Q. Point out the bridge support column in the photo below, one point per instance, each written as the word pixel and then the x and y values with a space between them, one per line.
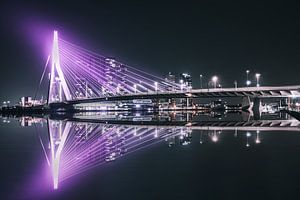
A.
pixel 246 104
pixel 289 103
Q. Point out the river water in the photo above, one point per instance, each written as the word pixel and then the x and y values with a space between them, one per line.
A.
pixel 150 156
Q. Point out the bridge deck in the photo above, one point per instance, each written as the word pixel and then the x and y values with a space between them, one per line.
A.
pixel 263 92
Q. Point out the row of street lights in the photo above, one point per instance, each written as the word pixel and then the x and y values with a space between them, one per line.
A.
pixel 215 79
pixel 257 76
pixel 6 103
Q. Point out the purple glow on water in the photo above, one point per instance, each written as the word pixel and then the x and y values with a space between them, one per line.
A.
pixel 78 147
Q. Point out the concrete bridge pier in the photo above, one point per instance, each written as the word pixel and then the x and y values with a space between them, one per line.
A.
pixel 256 108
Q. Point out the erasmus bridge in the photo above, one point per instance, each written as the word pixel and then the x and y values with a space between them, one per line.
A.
pixel 79 76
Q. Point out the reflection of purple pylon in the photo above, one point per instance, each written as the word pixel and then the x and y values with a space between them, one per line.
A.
pixel 58 133
pixel 77 147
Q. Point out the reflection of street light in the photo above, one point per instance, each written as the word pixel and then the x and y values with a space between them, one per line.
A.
pixel 214 80
pixel 248 134
pixel 257 141
pixel 257 75
pixel 215 137
pixel 201 141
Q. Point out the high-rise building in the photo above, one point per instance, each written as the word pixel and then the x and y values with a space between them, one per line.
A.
pixel 185 80
pixel 170 77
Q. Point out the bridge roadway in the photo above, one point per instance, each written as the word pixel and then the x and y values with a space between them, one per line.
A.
pixel 261 92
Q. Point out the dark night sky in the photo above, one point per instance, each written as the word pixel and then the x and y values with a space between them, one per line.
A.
pixel 209 37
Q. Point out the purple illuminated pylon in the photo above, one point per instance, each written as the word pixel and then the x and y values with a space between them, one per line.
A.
pixel 58 85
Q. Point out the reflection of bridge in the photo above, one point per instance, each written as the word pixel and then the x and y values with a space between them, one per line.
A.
pixel 81 144
pixel 260 125
pixel 80 76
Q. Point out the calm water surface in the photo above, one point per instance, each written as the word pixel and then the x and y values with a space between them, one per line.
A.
pixel 138 156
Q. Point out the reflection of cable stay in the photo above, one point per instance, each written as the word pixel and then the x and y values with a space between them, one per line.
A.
pixel 42 145
pixel 77 147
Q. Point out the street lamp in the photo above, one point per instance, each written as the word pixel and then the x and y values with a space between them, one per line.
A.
pixel 181 84
pixel 214 80
pixel 235 84
pixel 248 82
pixel 257 75
pixel 201 76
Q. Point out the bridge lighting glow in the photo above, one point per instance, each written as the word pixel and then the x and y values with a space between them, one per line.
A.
pixel 257 75
pixel 248 82
pixel 155 85
pixel 214 80
pixel 135 90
